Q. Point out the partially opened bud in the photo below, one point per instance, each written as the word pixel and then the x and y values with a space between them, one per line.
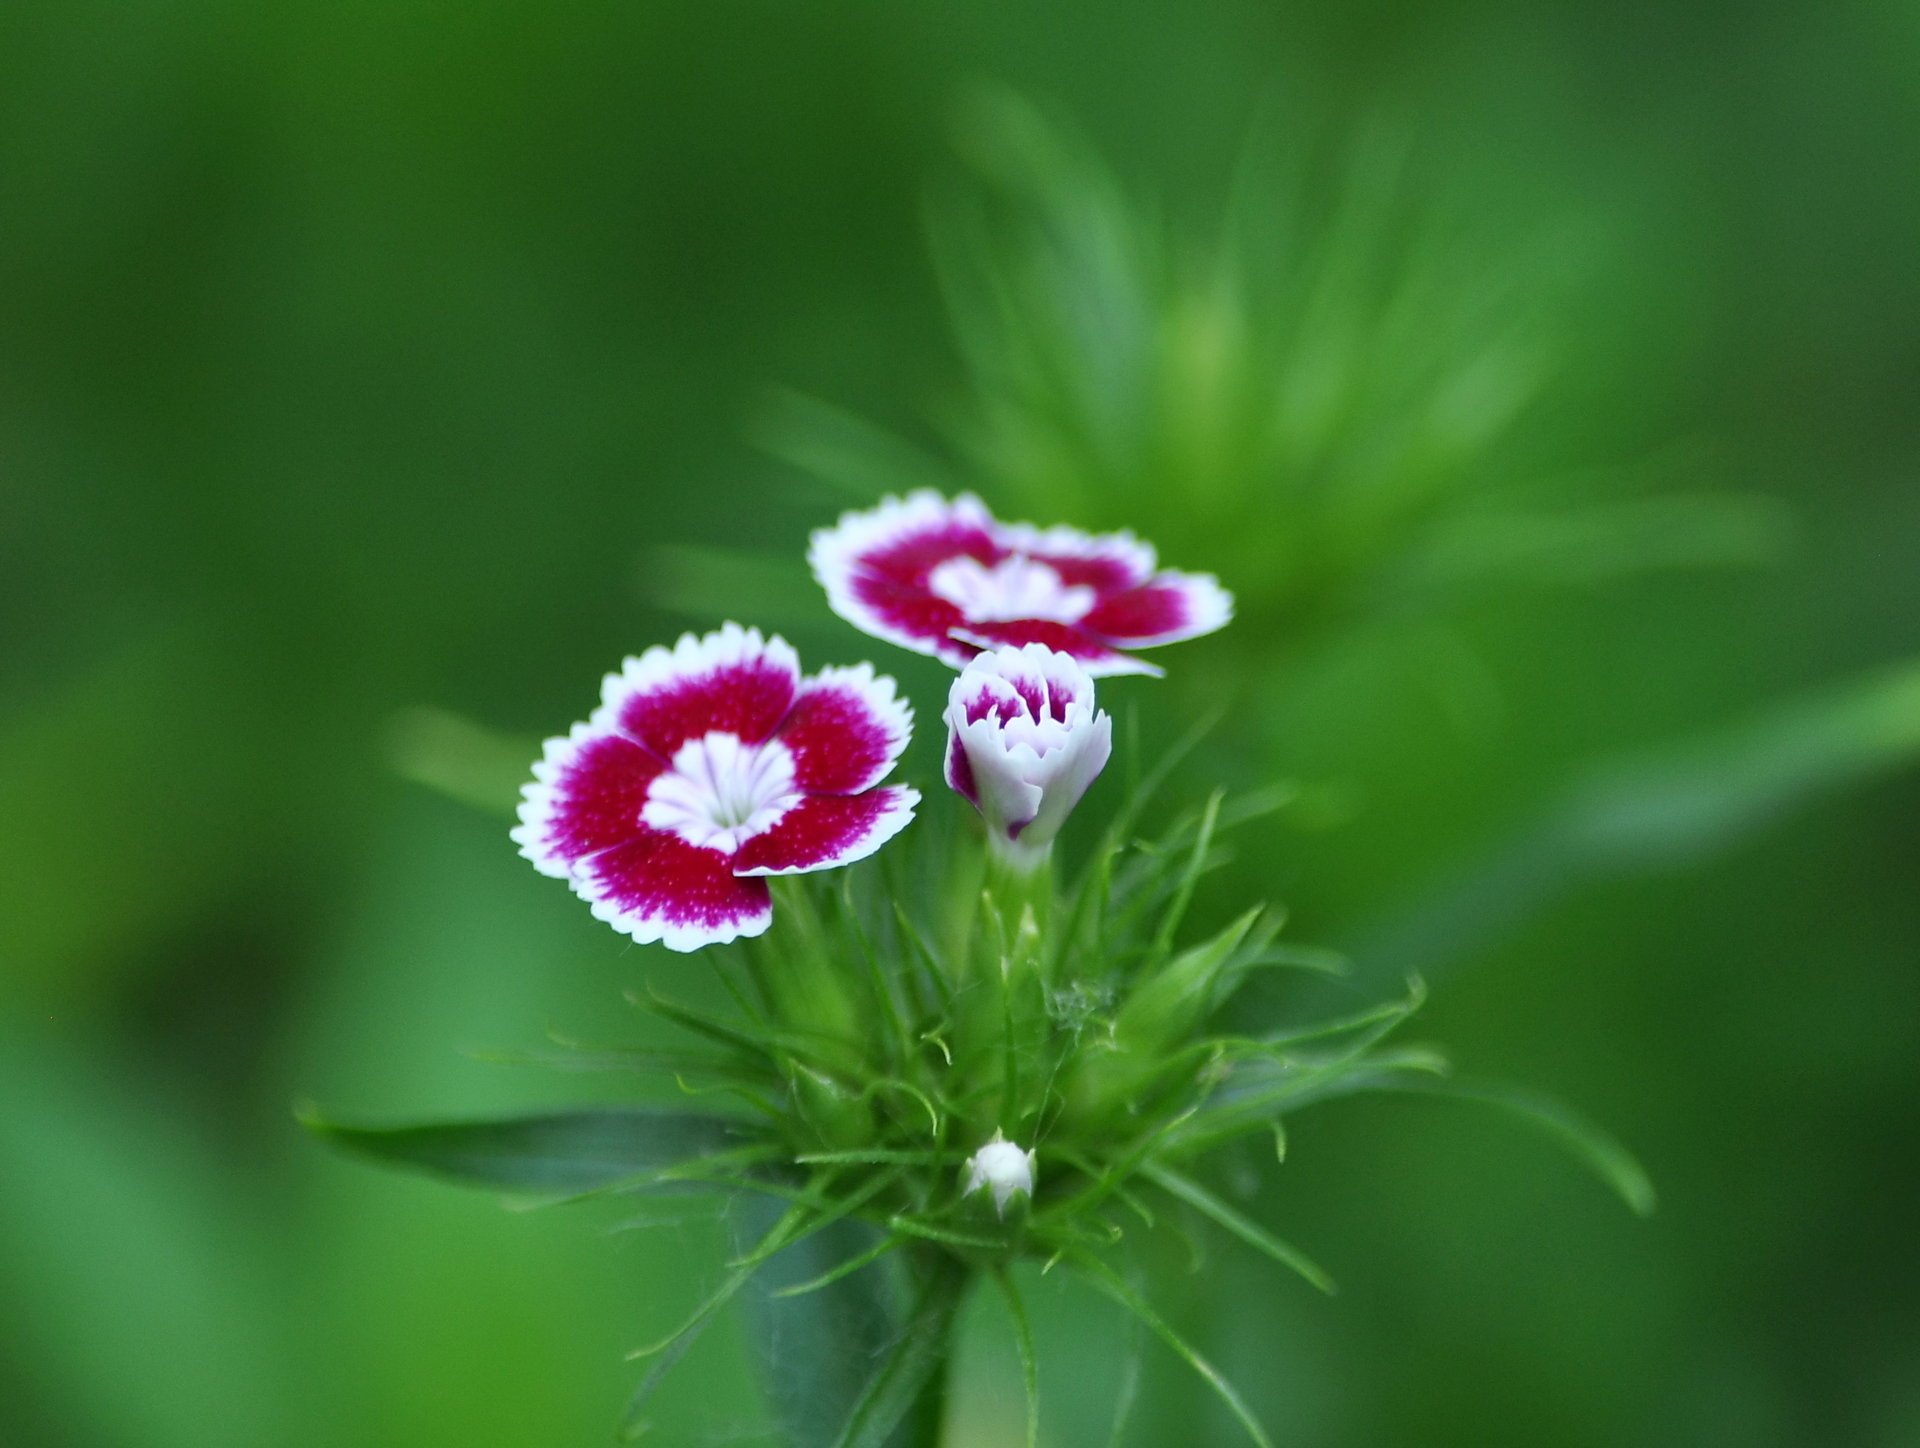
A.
pixel 1024 742
pixel 1002 1168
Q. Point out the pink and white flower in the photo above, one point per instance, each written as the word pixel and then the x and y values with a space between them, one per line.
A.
pixel 706 767
pixel 946 578
pixel 1023 743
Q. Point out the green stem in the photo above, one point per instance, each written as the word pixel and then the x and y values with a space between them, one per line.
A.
pixel 926 1421
pixel 925 1424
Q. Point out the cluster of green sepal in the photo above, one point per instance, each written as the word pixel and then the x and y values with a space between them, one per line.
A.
pixel 898 1016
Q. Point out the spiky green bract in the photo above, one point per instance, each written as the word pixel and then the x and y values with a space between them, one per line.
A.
pixel 904 1014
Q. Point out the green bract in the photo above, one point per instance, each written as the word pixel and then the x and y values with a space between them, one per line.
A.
pixel 905 1013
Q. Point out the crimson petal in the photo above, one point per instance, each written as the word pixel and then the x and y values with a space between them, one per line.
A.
pixel 846 729
pixel 1093 655
pixel 732 681
pixel 659 887
pixel 1171 607
pixel 586 795
pixel 828 829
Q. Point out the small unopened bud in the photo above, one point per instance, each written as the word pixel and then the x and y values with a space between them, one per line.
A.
pixel 1002 1168
pixel 1023 743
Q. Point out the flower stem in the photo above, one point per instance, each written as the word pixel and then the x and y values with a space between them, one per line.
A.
pixel 926 1421
pixel 946 1279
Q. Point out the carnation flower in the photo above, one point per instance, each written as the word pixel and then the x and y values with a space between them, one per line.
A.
pixel 1023 743
pixel 946 578
pixel 707 767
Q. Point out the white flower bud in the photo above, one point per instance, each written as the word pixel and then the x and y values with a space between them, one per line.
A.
pixel 1002 1168
pixel 1023 743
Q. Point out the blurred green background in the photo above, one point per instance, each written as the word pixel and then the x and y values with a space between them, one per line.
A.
pixel 1542 377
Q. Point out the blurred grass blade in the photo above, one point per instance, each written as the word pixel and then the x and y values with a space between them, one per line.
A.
pixel 849 454
pixel 706 584
pixel 572 1151
pixel 1586 1142
pixel 1605 541
pixel 667 1354
pixel 1667 808
pixel 464 761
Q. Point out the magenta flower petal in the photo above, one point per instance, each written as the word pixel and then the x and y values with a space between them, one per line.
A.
pixel 944 577
pixel 1105 562
pixel 824 830
pixel 733 681
pixel 846 729
pixel 1097 658
pixel 707 765
pixel 657 887
pixel 876 566
pixel 1174 606
pixel 586 795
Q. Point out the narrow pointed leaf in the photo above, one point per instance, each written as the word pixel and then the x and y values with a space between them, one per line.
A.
pixel 1586 1142
pixel 1113 1285
pixel 1248 1231
pixel 569 1151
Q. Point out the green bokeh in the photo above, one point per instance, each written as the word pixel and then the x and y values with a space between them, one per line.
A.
pixel 362 359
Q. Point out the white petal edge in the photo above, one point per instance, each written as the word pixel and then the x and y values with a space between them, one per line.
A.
pixel 647 929
pixel 1070 542
pixel 1210 607
pixel 691 657
pixel 537 798
pixel 1116 666
pixel 882 698
pixel 904 799
pixel 834 554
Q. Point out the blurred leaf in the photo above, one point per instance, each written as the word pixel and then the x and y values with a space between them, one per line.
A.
pixel 709 585
pixel 574 1151
pixel 141 1294
pixel 460 759
pixel 812 1350
pixel 852 456
pixel 1596 543
pixel 914 1364
pixel 1664 809
pixel 1121 1291
pixel 1604 1156
pixel 1023 1344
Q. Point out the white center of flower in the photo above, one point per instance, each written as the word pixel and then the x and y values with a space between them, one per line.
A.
pixel 1015 587
pixel 720 793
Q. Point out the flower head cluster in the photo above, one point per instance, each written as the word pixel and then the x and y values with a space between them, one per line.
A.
pixel 714 764
pixel 905 1056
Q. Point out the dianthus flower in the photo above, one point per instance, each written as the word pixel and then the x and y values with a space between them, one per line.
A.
pixel 946 578
pixel 707 767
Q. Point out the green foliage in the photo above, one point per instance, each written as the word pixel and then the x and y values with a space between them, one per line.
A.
pixel 563 1152
pixel 866 1063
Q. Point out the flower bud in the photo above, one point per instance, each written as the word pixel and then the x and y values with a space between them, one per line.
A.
pixel 1002 1168
pixel 1023 743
